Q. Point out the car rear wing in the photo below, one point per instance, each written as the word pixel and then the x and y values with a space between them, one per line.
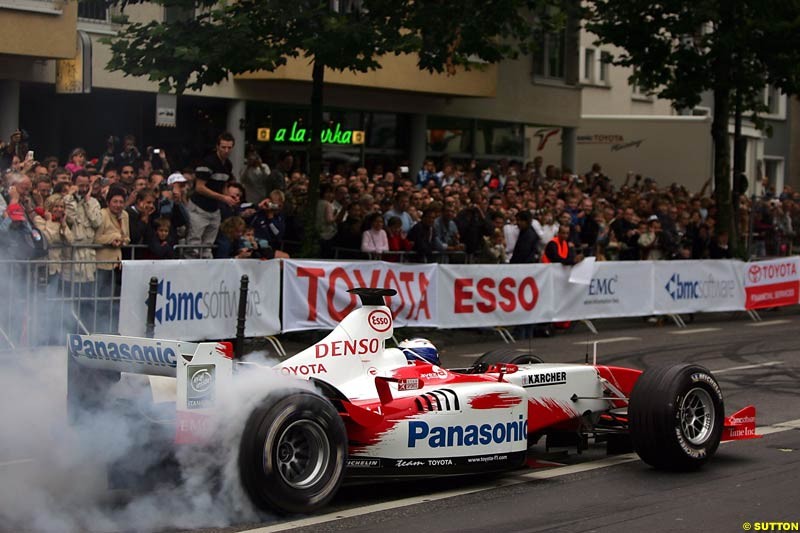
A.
pixel 96 362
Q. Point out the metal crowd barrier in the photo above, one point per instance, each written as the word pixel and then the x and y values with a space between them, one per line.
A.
pixel 41 301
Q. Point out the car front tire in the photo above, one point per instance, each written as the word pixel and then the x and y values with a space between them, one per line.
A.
pixel 292 454
pixel 676 416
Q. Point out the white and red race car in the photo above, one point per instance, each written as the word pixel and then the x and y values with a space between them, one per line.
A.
pixel 378 414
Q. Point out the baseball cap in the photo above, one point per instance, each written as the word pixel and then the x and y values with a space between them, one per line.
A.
pixel 652 218
pixel 16 213
pixel 176 177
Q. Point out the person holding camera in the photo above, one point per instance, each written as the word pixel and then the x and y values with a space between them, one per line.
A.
pixel 269 223
pixel 257 177
pixel 17 148
pixel 129 155
pixel 84 218
pixel 172 205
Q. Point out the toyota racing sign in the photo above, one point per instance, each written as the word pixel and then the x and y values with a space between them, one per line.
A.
pixel 315 293
pixel 771 283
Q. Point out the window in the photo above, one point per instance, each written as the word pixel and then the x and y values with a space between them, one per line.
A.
pixel 448 135
pixel 605 65
pixel 381 130
pixel 177 13
pixel 637 93
pixel 345 6
pixel 588 65
pixel 773 169
pixel 550 60
pixel 775 102
pixel 95 10
pixel 499 139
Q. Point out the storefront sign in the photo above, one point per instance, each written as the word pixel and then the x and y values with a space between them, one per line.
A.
pixel 166 110
pixel 298 134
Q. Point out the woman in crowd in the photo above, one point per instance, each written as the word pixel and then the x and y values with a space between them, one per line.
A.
pixel 59 235
pixel 113 234
pixel 59 238
pixel 229 244
pixel 374 239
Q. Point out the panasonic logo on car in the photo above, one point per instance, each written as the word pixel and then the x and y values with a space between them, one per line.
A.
pixel 469 435
pixel 682 289
pixel 122 351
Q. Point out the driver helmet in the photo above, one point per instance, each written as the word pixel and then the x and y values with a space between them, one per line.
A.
pixel 420 349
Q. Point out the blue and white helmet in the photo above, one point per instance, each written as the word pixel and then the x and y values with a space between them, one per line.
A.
pixel 420 349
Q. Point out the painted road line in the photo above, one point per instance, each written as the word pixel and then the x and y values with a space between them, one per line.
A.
pixel 769 323
pixel 746 367
pixel 502 482
pixel 16 462
pixel 691 331
pixel 613 339
pixel 777 428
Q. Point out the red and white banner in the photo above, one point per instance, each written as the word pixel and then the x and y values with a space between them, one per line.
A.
pixel 696 286
pixel 771 283
pixel 481 295
pixel 616 289
pixel 198 299
pixel 315 292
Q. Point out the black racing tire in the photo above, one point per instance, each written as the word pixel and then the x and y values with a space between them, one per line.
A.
pixel 508 356
pixel 293 453
pixel 676 416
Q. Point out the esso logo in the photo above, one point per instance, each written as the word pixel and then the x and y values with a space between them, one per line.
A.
pixel 380 320
pixel 754 273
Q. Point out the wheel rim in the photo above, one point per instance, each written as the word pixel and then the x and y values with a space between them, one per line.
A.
pixel 302 454
pixel 697 416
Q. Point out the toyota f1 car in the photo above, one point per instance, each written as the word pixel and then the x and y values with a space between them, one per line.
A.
pixel 378 414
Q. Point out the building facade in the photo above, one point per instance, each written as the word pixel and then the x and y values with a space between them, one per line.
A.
pixel 405 114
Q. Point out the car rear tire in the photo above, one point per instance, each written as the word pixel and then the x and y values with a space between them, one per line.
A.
pixel 676 416
pixel 506 355
pixel 293 453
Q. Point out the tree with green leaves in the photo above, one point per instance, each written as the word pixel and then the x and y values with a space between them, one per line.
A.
pixel 240 36
pixel 679 49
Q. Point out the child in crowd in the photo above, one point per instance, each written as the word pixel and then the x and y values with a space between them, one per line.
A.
pixel 161 244
pixel 495 247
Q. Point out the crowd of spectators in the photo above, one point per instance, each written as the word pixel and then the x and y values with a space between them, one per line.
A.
pixel 128 203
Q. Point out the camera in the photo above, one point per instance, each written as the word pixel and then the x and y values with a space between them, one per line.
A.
pixel 156 151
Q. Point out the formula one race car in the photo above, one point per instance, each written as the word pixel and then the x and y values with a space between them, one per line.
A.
pixel 381 411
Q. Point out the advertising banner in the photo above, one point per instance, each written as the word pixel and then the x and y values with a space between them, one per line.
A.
pixel 481 295
pixel 199 299
pixel 771 283
pixel 315 292
pixel 616 289
pixel 697 286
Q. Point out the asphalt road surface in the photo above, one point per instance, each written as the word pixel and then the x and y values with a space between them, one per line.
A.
pixel 753 482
